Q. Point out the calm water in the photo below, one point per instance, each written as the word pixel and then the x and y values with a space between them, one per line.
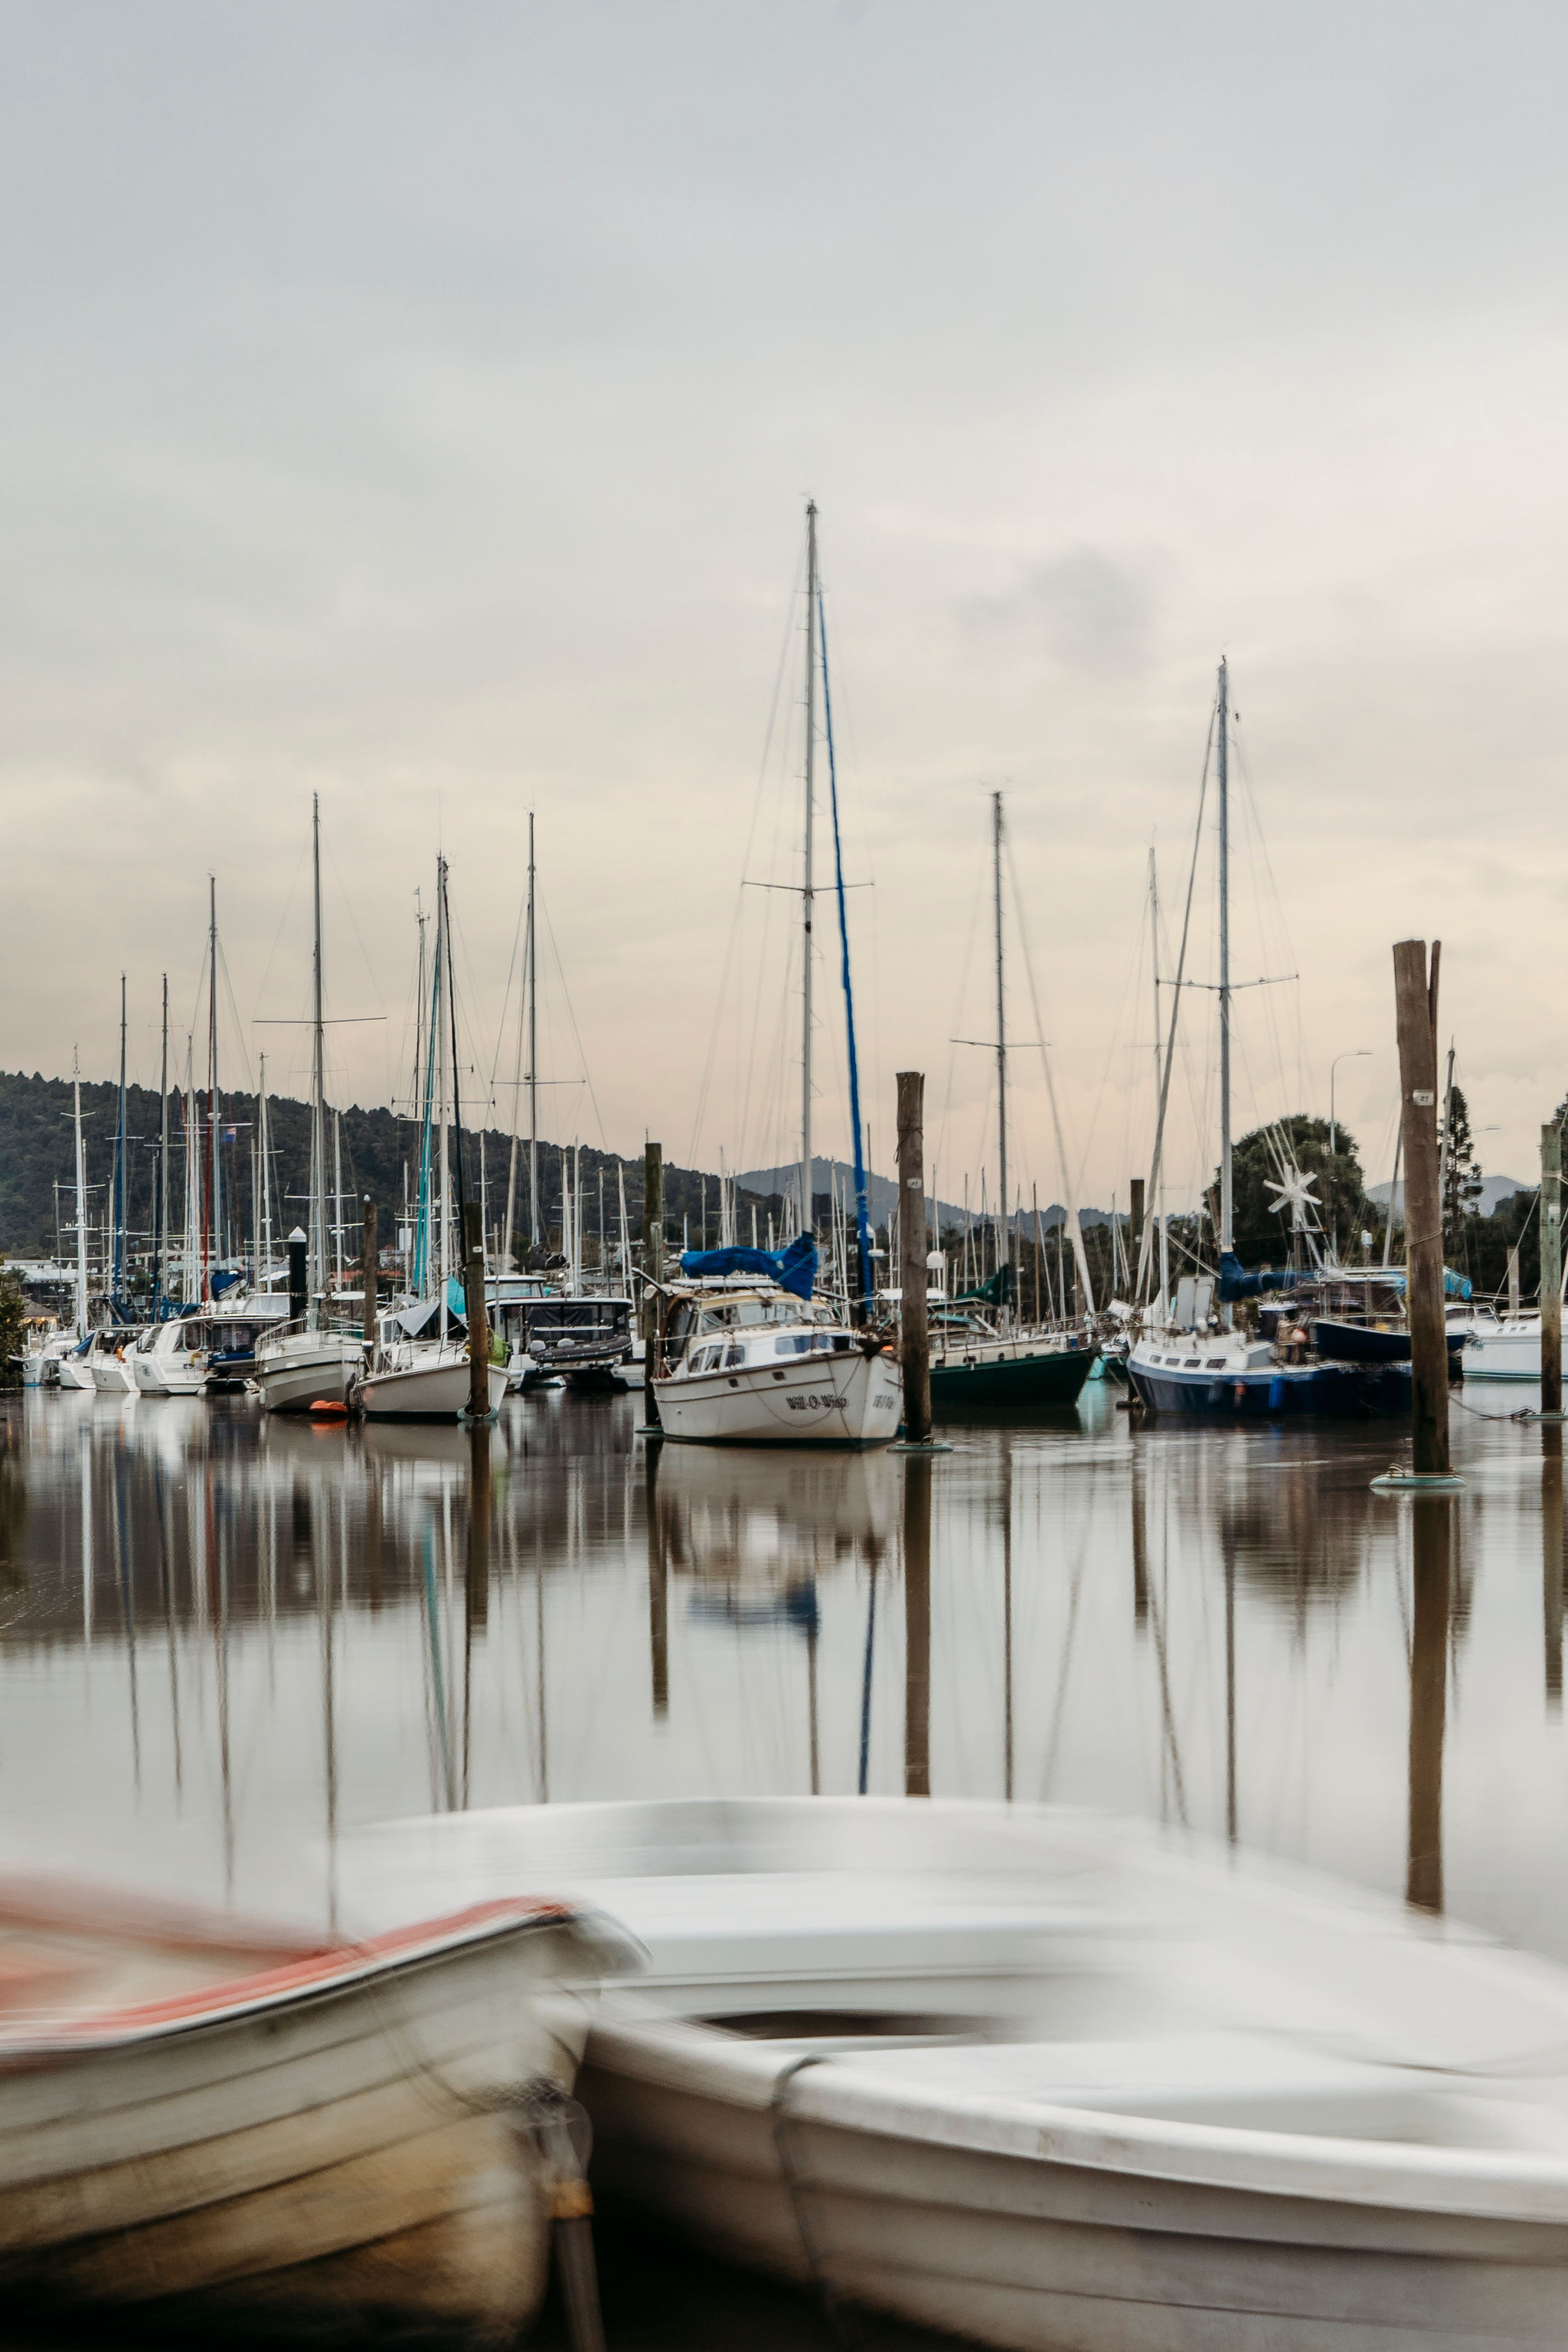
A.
pixel 224 1639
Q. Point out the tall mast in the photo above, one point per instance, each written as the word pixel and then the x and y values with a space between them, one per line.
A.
pixel 517 1065
pixel 807 895
pixel 160 1202
pixel 318 1255
pixel 443 969
pixel 1003 1241
pixel 266 1173
pixel 1225 1234
pixel 214 1180
pixel 532 1047
pixel 81 1204
pixel 1158 1205
pixel 119 1283
pixel 338 1195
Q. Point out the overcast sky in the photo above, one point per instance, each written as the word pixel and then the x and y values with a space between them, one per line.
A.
pixel 416 404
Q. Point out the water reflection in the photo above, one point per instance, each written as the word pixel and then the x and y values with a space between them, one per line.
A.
pixel 224 1640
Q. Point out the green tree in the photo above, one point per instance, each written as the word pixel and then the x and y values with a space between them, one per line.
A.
pixel 1461 1174
pixel 1262 1224
pixel 12 1330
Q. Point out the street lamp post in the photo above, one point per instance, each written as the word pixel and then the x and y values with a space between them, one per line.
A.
pixel 1356 1053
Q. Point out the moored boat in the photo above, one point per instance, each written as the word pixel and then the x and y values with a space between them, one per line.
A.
pixel 1045 2080
pixel 1510 1352
pixel 298 1369
pixel 756 1366
pixel 422 1380
pixel 973 1364
pixel 206 2121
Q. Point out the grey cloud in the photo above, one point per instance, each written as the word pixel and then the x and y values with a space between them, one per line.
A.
pixel 1090 612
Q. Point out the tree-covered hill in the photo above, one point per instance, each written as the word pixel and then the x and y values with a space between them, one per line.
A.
pixel 38 1155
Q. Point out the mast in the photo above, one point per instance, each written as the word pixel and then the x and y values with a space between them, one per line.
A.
pixel 213 1237
pixel 161 1202
pixel 338 1195
pixel 266 1173
pixel 443 951
pixel 317 1277
pixel 532 1048
pixel 1226 1239
pixel 806 890
pixel 193 1178
pixel 81 1204
pixel 117 1284
pixel 1004 1240
pixel 1159 1202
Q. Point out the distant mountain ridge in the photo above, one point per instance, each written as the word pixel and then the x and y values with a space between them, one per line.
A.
pixel 882 1194
pixel 1494 1191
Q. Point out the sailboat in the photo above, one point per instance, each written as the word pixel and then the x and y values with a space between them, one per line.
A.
pixel 304 1364
pixel 978 1357
pixel 419 1370
pixel 765 1363
pixel 1229 1372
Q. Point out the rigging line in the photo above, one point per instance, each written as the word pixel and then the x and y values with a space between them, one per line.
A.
pixel 587 1079
pixel 1143 1253
pixel 283 917
pixel 862 1216
pixel 941 1154
pixel 1075 1229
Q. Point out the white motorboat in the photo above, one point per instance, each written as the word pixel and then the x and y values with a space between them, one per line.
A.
pixel 1508 1351
pixel 1046 2080
pixel 107 1359
pixel 297 1370
pixel 203 2120
pixel 74 1372
pixel 422 1380
pixel 759 1367
pixel 171 1359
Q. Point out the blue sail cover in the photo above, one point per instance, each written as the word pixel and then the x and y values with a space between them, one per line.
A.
pixel 1234 1284
pixel 793 1269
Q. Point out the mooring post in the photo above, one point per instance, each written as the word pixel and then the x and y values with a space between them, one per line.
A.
pixel 1415 1009
pixel 1430 1600
pixel 371 1261
pixel 653 1270
pixel 917 1629
pixel 475 1313
pixel 1551 1270
pixel 916 1344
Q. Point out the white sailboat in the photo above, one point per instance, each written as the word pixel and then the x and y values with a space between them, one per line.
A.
pixel 748 1365
pixel 305 1365
pixel 418 1373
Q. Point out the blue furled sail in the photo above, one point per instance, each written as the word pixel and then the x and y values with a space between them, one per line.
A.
pixel 1234 1284
pixel 862 1214
pixel 793 1269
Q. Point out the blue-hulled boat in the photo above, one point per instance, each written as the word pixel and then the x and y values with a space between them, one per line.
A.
pixel 1229 1376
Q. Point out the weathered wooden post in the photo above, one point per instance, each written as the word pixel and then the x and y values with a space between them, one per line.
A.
pixel 917 1630
pixel 653 1273
pixel 1551 1272
pixel 916 1345
pixel 371 1257
pixel 658 1586
pixel 475 1314
pixel 1415 1009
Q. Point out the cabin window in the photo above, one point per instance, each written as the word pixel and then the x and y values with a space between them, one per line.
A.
pixel 792 1343
pixel 1193 1364
pixel 1215 1364
pixel 733 1355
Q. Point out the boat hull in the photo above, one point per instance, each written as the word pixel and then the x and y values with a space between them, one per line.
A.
pixel 303 1377
pixel 846 1399
pixel 1504 1356
pixel 1042 2230
pixel 169 1376
pixel 1336 1391
pixel 425 1393
pixel 342 2162
pixel 1050 1378
pixel 1362 1343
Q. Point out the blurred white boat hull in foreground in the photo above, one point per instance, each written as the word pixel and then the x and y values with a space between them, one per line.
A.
pixel 201 2119
pixel 1047 2081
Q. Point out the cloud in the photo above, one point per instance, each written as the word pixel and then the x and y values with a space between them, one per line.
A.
pixel 1088 612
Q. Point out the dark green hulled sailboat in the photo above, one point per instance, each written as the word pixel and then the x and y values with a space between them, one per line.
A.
pixel 974 1363
pixel 977 1357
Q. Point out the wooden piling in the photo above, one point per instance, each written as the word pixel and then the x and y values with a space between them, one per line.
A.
pixel 916 1344
pixel 1415 1012
pixel 1431 1527
pixel 475 1313
pixel 371 1261
pixel 653 1270
pixel 1551 1269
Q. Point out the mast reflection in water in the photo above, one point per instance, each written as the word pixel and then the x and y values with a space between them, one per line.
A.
pixel 224 1639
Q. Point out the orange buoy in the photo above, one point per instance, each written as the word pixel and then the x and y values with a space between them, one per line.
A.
pixel 328 1409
